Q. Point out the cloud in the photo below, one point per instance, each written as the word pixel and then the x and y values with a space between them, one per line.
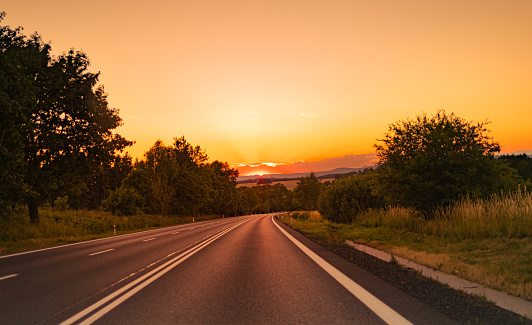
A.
pixel 308 115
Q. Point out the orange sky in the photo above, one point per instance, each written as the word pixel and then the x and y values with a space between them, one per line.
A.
pixel 286 81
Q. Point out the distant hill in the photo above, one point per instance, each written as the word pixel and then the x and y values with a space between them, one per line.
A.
pixel 287 177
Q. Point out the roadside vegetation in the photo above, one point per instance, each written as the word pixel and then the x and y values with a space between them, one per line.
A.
pixel 502 262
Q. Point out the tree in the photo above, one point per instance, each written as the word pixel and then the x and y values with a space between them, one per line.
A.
pixel 162 171
pixel 22 61
pixel 307 192
pixel 183 183
pixel 223 185
pixel 61 124
pixel 434 161
pixel 522 163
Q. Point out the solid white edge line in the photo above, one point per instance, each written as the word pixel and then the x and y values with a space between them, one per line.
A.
pixel 382 310
pixel 8 277
pixel 161 269
pixel 105 251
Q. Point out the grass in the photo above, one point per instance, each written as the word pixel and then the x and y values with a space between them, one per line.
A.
pixel 484 241
pixel 58 227
pixel 289 184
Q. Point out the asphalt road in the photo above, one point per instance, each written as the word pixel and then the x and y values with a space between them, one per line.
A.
pixel 245 270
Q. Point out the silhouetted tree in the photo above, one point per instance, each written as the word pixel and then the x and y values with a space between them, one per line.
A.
pixel 428 162
pixel 61 122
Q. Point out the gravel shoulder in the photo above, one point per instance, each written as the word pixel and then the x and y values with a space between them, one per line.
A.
pixel 458 305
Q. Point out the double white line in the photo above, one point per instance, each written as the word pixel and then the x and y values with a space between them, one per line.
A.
pixel 108 303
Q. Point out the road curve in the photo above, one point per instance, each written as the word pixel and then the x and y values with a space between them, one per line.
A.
pixel 244 270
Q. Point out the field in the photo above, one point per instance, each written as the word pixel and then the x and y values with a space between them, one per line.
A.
pixel 289 184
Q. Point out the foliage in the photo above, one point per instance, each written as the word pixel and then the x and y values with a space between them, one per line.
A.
pixel 522 163
pixel 428 162
pixel 61 203
pixel 307 192
pixel 178 180
pixel 58 127
pixel 347 197
pixel 21 60
pixel 264 199
pixel 124 201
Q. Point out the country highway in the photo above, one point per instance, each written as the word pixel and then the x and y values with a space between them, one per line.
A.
pixel 243 270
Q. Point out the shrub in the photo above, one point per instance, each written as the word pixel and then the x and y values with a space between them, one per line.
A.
pixel 123 201
pixel 61 203
pixel 346 198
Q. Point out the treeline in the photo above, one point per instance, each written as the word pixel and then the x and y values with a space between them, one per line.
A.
pixel 426 164
pixel 59 147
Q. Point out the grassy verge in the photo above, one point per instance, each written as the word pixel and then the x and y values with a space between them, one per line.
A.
pixel 500 262
pixel 59 227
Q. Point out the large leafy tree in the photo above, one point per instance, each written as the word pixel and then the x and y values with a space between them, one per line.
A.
pixel 431 161
pixel 22 61
pixel 59 128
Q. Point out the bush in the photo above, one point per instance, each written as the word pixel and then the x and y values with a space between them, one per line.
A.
pixel 123 201
pixel 61 203
pixel 346 198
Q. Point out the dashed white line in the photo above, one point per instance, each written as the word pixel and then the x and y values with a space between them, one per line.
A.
pixel 105 251
pixel 110 302
pixel 174 233
pixel 145 240
pixel 8 276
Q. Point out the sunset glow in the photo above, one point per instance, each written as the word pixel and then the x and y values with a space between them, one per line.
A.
pixel 294 86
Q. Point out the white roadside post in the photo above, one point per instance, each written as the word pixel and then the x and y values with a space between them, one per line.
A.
pixel 114 230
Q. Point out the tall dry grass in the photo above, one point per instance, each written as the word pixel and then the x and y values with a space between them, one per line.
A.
pixel 505 215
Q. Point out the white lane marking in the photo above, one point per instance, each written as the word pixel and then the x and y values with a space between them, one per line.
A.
pixel 174 233
pixel 105 251
pixel 140 283
pixel 382 310
pixel 88 241
pixel 191 228
pixel 145 240
pixel 8 276
pixel 95 240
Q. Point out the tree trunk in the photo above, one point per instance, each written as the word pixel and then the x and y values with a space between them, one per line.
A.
pixel 33 207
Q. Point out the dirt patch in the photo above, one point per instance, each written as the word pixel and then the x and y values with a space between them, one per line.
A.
pixel 462 307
